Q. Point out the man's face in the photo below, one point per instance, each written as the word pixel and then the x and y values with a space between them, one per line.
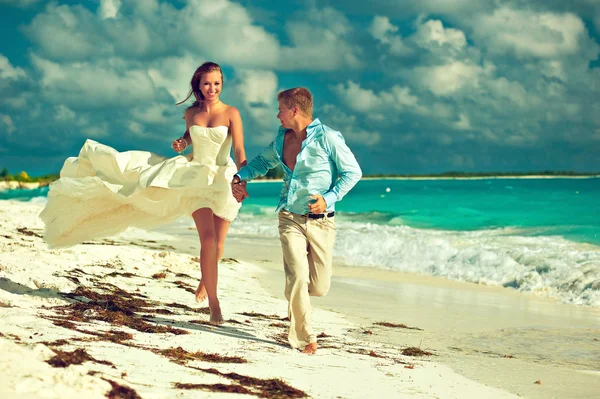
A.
pixel 285 116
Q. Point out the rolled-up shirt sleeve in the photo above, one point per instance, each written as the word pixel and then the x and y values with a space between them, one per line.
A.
pixel 349 171
pixel 260 165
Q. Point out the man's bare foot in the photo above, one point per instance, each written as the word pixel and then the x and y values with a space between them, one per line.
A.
pixel 310 349
pixel 216 317
pixel 201 292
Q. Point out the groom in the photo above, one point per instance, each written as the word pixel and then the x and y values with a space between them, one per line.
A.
pixel 319 169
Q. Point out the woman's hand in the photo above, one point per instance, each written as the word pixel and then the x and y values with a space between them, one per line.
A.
pixel 179 145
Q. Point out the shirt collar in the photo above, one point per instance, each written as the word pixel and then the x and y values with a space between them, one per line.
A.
pixel 311 129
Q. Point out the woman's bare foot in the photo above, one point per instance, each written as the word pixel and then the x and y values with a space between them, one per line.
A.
pixel 201 292
pixel 216 317
pixel 310 349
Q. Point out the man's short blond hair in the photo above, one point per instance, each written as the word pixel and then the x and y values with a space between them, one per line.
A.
pixel 297 97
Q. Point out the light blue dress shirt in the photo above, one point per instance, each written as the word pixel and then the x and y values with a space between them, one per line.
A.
pixel 325 165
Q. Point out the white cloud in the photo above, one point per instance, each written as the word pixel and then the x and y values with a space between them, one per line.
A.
pixel 109 8
pixel 136 128
pixel 8 124
pixel 445 80
pixel 349 126
pixel 384 31
pixel 7 71
pixel 64 113
pixel 62 32
pixel 529 33
pixel 157 113
pixel 433 31
pixel 173 74
pixel 93 85
pixel 96 131
pixel 19 3
pixel 145 7
pixel 319 42
pixel 367 101
pixel 240 41
pixel 463 122
pixel 258 93
pixel 320 39
pixel 504 89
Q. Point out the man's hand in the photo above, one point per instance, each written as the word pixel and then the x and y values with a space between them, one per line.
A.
pixel 319 206
pixel 238 189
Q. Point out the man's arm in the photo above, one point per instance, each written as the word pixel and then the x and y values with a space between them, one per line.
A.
pixel 260 165
pixel 348 169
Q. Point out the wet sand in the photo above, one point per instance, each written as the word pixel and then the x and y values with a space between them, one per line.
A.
pixel 494 335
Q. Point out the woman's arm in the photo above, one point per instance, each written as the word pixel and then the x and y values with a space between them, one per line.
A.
pixel 237 136
pixel 184 141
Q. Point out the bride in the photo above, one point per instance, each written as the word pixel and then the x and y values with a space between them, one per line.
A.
pixel 102 191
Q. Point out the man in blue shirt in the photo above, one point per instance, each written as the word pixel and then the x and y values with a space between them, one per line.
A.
pixel 319 169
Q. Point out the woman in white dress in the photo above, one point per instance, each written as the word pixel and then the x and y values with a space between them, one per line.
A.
pixel 102 191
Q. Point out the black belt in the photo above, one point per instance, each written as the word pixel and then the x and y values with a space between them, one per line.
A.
pixel 319 215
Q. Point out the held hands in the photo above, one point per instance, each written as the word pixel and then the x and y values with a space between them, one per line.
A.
pixel 238 189
pixel 179 145
pixel 319 205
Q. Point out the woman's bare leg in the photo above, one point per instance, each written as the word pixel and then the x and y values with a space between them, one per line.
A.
pixel 208 261
pixel 221 228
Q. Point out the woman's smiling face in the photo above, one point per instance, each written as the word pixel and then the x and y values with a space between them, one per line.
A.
pixel 210 85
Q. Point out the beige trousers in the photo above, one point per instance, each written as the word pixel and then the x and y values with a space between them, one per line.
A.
pixel 307 246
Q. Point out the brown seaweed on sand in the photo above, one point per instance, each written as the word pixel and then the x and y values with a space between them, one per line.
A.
pixel 228 388
pixel 117 308
pixel 181 356
pixel 394 325
pixel 119 391
pixel 273 388
pixel 414 351
pixel 185 286
pixel 262 316
pixel 78 356
pixel 27 232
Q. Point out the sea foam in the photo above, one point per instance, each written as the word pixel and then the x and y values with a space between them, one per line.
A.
pixel 509 257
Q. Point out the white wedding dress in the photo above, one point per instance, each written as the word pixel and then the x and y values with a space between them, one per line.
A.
pixel 102 191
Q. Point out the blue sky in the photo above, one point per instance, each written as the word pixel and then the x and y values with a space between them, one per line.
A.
pixel 414 86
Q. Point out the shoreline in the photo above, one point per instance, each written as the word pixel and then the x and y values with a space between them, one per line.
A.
pixel 17 185
pixel 491 177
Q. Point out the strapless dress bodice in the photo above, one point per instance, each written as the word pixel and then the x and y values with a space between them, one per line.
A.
pixel 211 145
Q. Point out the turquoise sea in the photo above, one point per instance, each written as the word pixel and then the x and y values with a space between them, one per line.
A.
pixel 536 235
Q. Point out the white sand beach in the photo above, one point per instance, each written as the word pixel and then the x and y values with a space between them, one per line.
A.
pixel 116 318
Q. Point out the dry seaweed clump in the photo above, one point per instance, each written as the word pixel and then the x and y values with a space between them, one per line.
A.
pixel 180 356
pixel 159 275
pixel 78 356
pixel 228 388
pixel 413 351
pixel 119 391
pixel 117 308
pixel 263 316
pixel 394 325
pixel 273 388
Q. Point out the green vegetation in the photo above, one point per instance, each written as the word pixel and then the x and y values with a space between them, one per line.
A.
pixel 275 173
pixel 24 177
